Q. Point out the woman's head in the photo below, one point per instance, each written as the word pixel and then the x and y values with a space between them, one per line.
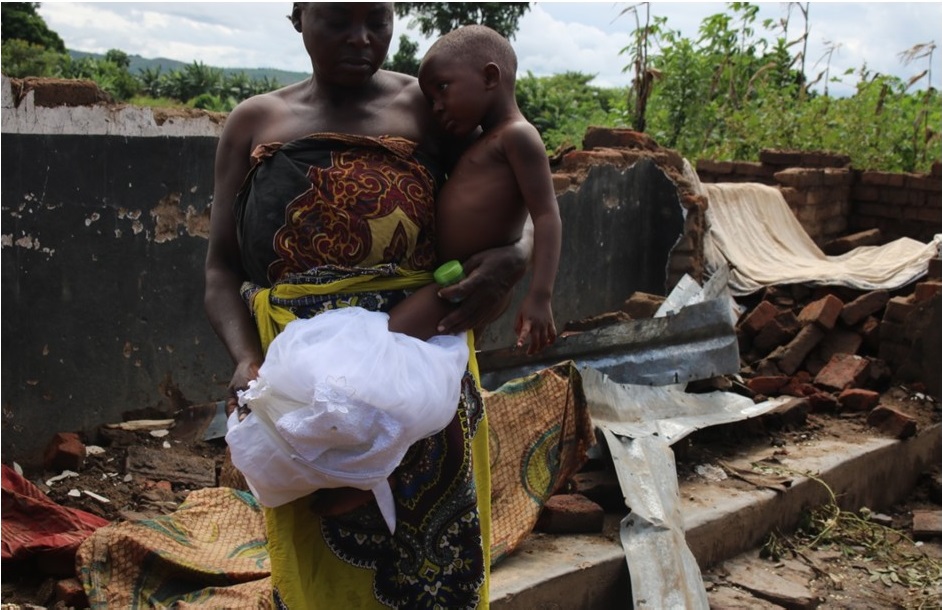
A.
pixel 347 42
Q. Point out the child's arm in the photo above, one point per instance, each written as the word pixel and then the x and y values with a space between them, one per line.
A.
pixel 527 157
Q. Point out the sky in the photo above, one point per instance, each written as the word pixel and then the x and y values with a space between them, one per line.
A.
pixel 553 37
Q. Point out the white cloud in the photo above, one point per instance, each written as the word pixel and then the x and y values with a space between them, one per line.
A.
pixel 553 37
pixel 546 45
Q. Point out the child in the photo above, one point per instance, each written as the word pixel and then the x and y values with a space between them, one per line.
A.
pixel 468 78
pixel 333 373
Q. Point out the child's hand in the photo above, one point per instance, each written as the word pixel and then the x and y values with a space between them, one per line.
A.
pixel 535 321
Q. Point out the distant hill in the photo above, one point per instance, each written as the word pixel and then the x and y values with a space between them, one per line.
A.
pixel 138 63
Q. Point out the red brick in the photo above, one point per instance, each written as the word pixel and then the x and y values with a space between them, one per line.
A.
pixel 838 178
pixel 799 177
pixel 843 371
pixel 603 137
pixel 751 168
pixel 823 402
pixel 865 193
pixel 767 368
pixel 869 329
pixel 716 167
pixel 865 305
pixel 791 414
pixel 898 309
pixel 576 160
pixel 857 399
pixel 839 341
pixel 600 486
pixel 792 355
pixel 823 312
pixel 928 214
pixel 778 331
pixel 935 269
pixel 893 332
pixel 921 182
pixel 561 182
pixel 927 524
pixel 642 305
pixel 69 592
pixel 834 161
pixel 894 353
pixel 927 290
pixel 799 389
pixel 65 451
pixel 846 243
pixel 880 373
pixel 760 315
pixel 570 514
pixel 892 422
pixel 767 385
pixel 781 158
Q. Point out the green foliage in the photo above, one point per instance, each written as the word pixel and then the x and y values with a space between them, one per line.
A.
pixel 20 21
pixel 21 59
pixel 438 18
pixel 208 101
pixel 731 93
pixel 564 105
pixel 147 101
pixel 110 74
pixel 406 59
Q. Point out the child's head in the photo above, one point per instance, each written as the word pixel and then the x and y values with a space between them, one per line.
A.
pixel 464 73
pixel 477 45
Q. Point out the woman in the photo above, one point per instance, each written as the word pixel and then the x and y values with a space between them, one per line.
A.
pixel 333 181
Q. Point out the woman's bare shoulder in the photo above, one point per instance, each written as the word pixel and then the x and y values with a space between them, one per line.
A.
pixel 264 118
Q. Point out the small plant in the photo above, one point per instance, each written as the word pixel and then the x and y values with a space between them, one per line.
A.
pixel 856 536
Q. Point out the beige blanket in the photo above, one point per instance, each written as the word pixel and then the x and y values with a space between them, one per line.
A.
pixel 753 229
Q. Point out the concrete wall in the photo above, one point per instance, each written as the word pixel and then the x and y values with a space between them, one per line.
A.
pixel 104 223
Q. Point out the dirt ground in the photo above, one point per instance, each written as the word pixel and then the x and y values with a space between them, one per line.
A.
pixel 840 575
pixel 837 559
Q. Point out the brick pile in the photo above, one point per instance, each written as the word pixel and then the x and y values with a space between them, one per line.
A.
pixel 838 348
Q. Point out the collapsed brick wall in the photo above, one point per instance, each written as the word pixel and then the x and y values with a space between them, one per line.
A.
pixel 830 198
pixel 792 334
pixel 622 148
pixel 820 342
pixel 899 205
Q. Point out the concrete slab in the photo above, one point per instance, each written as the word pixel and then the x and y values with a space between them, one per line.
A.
pixel 589 571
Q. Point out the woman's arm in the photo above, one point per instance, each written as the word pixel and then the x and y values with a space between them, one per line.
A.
pixel 227 313
pixel 490 277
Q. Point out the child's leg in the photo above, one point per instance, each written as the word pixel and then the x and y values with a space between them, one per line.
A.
pixel 419 314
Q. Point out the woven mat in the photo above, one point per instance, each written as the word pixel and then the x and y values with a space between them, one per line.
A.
pixel 539 431
pixel 210 552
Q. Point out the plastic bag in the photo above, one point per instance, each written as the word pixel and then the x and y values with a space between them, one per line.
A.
pixel 338 402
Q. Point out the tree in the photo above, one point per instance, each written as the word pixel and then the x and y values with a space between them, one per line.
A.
pixel 110 73
pixel 21 59
pixel 20 21
pixel 439 18
pixel 406 59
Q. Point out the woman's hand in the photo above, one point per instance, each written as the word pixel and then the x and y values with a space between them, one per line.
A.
pixel 490 276
pixel 244 373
